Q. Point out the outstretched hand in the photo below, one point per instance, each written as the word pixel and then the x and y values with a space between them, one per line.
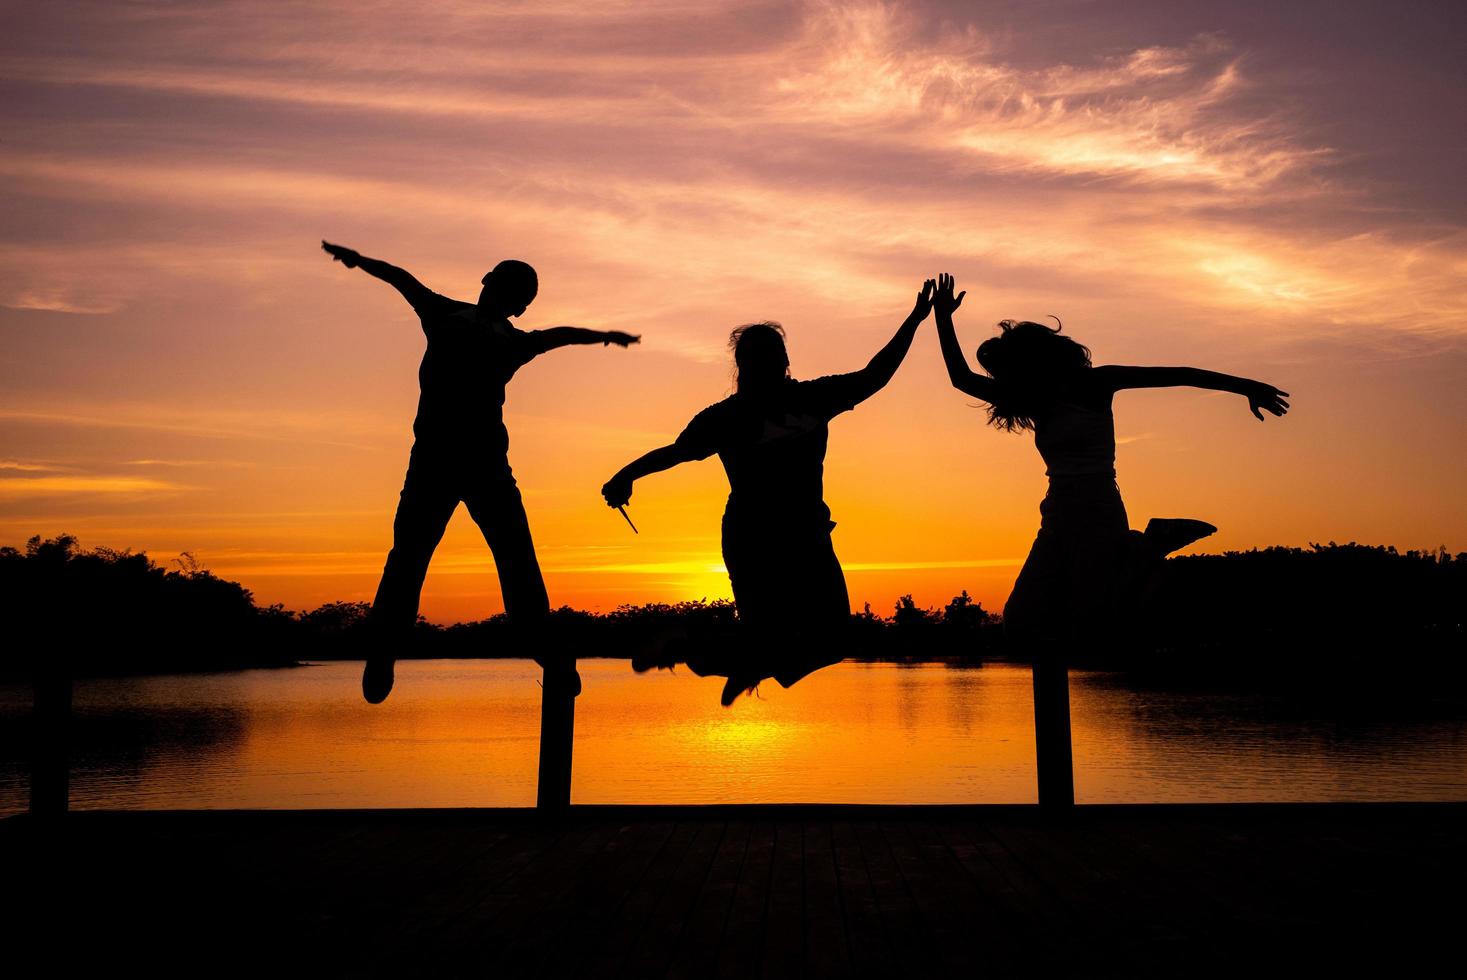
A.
pixel 923 306
pixel 620 339
pixel 617 491
pixel 348 257
pixel 944 302
pixel 1266 397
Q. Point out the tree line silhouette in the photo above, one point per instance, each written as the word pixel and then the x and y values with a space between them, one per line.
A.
pixel 119 612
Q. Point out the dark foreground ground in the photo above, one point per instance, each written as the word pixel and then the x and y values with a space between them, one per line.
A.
pixel 813 891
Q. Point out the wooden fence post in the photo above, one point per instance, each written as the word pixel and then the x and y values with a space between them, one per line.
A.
pixel 557 736
pixel 50 741
pixel 1053 752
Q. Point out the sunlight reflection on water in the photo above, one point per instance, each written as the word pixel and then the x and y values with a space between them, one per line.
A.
pixel 465 733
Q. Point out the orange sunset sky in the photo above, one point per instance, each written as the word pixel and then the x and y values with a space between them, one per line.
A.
pixel 1259 188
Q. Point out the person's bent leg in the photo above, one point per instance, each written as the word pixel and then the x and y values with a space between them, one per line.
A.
pixel 423 512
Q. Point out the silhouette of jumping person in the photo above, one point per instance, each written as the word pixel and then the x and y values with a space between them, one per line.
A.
pixel 789 590
pixel 460 449
pixel 1086 564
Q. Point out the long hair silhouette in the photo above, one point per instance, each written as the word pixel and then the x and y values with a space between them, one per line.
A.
pixel 1029 362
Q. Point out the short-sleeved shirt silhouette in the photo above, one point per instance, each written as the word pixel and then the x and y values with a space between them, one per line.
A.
pixel 468 362
pixel 773 449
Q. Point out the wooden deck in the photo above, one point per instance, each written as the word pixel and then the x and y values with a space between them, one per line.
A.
pixel 743 891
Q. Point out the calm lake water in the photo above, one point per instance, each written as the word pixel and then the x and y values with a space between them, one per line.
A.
pixel 464 733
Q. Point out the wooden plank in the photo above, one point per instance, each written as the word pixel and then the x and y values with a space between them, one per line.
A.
pixel 1138 925
pixel 1020 925
pixel 899 916
pixel 654 949
pixel 698 948
pixel 914 875
pixel 604 884
pixel 784 922
pixel 545 912
pixel 1047 923
pixel 865 934
pixel 635 909
pixel 967 923
pixel 742 948
pixel 426 912
pixel 827 949
pixel 486 884
pixel 1098 931
pixel 1183 869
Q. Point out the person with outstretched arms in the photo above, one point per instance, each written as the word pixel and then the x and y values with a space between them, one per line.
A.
pixel 461 450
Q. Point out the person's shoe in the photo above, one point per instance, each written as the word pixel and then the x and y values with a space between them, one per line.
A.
pixel 1168 534
pixel 798 670
pixel 737 685
pixel 377 677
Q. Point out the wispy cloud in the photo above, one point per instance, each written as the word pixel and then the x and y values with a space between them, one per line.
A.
pixel 57 299
pixel 863 70
pixel 216 423
pixel 189 463
pixel 1156 113
pixel 11 488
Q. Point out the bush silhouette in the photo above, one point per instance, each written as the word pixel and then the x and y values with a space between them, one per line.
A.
pixel 1332 606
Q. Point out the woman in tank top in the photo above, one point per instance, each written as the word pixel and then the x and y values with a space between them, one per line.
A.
pixel 1085 554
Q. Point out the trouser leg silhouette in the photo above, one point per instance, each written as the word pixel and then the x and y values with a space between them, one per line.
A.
pixel 496 506
pixel 423 511
pixel 500 513
pixel 422 516
pixel 429 498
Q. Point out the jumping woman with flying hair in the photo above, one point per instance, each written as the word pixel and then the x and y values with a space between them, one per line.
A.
pixel 1086 563
pixel 789 591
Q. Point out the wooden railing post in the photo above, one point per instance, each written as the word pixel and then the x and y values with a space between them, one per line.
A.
pixel 557 736
pixel 1054 758
pixel 50 741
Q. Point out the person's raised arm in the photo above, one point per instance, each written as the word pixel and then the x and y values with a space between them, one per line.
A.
pixel 618 489
pixel 883 366
pixel 553 337
pixel 963 378
pixel 1263 396
pixel 399 279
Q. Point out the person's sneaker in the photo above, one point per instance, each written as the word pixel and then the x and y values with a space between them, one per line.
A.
pixel 736 685
pixel 1168 534
pixel 377 676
